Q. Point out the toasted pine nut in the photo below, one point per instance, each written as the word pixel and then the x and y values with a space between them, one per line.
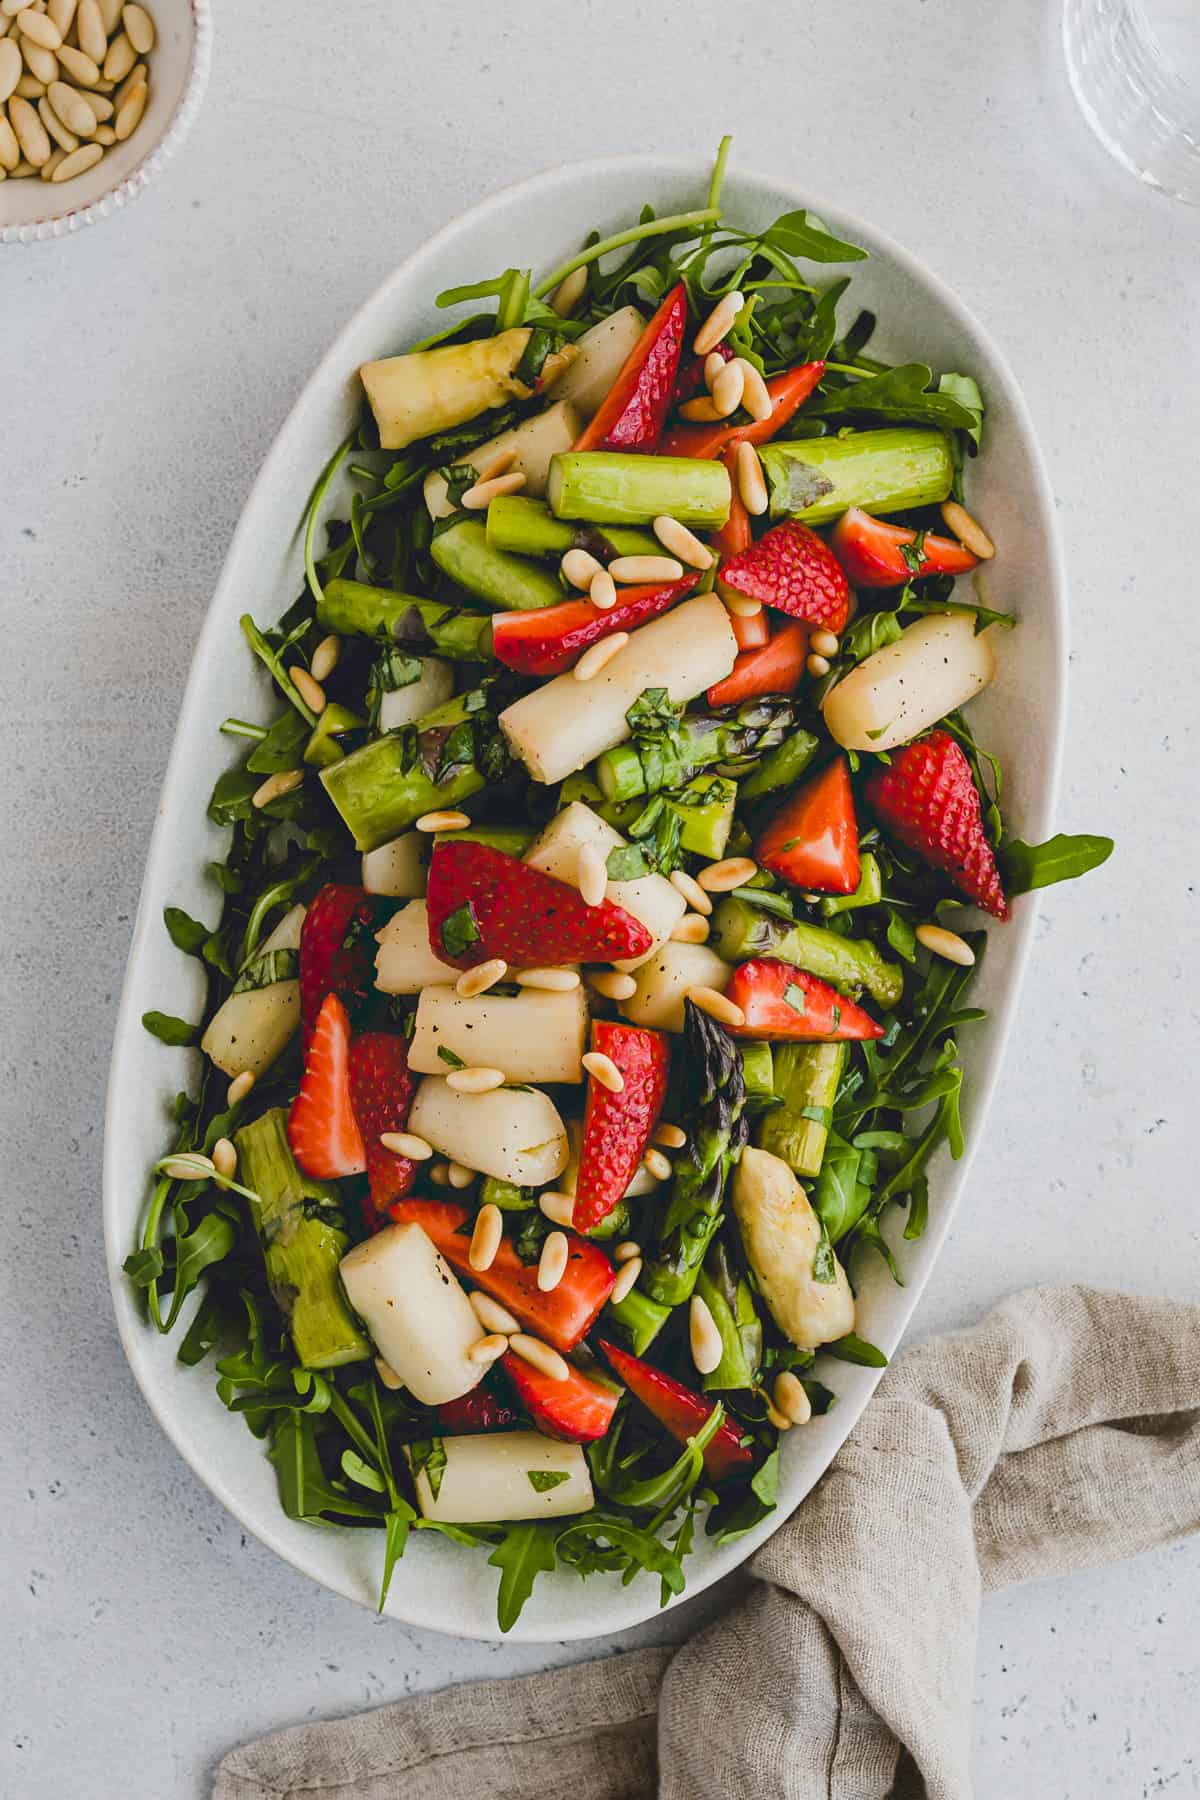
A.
pixel 948 944
pixel 499 464
pixel 627 1276
pixel 439 1174
pixel 714 362
pixel 110 12
pixel 457 1174
pixel 491 1315
pixel 691 890
pixel 275 786
pixel 721 877
pixel 39 29
pixel 604 1070
pixel 54 125
pixel 474 1081
pixel 10 8
pixel 224 1156
pixel 448 820
pixel 31 133
pixel 779 1420
pixel 701 411
pixel 540 1356
pixel 479 497
pixel 657 1164
pixel 672 1137
pixel 550 981
pixel 79 67
pixel 190 1166
pixel 791 1399
pixel 552 1263
pixel 10 68
pixel 139 27
pixel 681 542
pixel 119 59
pixel 28 88
pixel 100 104
pixel 625 1252
pixel 755 398
pixel 569 293
pixel 742 606
pixel 89 29
pixel 23 170
pixel 558 1207
pixel 598 656
pixel 407 1144
pixel 645 568
pixel 725 1012
pixel 239 1087
pixel 703 1336
pixel 122 90
pixel 325 656
pixel 718 322
pixel 968 531
pixel 728 386
pixel 310 691
pixel 10 150
pixel 129 113
pixel 751 484
pixel 691 929
pixel 63 14
pixel 485 1238
pixel 56 156
pixel 612 984
pixel 591 875
pixel 388 1377
pixel 579 567
pixel 817 666
pixel 483 976
pixel 824 643
pixel 602 590
pixel 75 112
pixel 488 1348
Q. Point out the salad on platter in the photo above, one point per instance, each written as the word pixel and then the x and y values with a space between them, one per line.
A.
pixel 602 898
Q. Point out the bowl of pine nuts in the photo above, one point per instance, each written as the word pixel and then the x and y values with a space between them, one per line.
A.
pixel 95 96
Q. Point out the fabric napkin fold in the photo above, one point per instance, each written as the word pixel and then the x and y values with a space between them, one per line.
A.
pixel 1061 1432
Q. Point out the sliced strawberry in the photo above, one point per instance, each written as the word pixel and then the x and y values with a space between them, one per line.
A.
pixel 928 799
pixel 788 392
pixel 617 1127
pixel 634 411
pixel 322 1131
pixel 873 552
pixel 775 668
pixel 780 1001
pixel 381 1091
pixel 563 1316
pixel 690 383
pixel 337 950
pixel 477 1410
pixel 790 568
pixel 813 839
pixel 551 638
pixel 577 1409
pixel 681 1412
pixel 483 903
pixel 751 633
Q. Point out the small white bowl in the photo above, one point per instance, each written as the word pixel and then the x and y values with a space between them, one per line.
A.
pixel 31 210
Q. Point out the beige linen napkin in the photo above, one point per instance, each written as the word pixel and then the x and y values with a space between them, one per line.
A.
pixel 1061 1432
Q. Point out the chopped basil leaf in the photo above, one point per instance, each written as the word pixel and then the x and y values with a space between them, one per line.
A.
pixel 796 997
pixel 542 1480
pixel 428 1456
pixel 170 1030
pixel 626 863
pixel 459 930
pixel 447 1056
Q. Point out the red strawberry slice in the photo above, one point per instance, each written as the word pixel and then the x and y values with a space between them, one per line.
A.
pixel 322 1130
pixel 793 569
pixel 551 638
pixel 735 535
pixel 635 409
pixel 928 799
pixel 776 667
pixel 484 903
pixel 780 1001
pixel 381 1091
pixel 577 1409
pixel 477 1410
pixel 337 950
pixel 873 553
pixel 681 1412
pixel 788 393
pixel 617 1127
pixel 563 1316
pixel 813 839
pixel 690 383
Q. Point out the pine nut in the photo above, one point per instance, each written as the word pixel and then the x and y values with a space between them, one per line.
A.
pixel 139 28
pixel 557 1207
pixel 239 1087
pixel 721 877
pixel 104 134
pixel 138 73
pixel 31 133
pixel 499 464
pixel 691 929
pixel 488 1348
pixel 742 606
pixel 718 322
pixel 10 8
pixel 479 497
pixel 540 1356
pixel 439 1174
pixel 552 1263
pixel 39 28
pixel 10 68
pixel 79 67
pixel 681 542
pixel 550 981
pixel 817 666
pixel 728 386
pixel 485 1238
pixel 627 1276
pixel 63 14
pixel 407 1144
pixel 691 890
pixel 968 531
pixel 751 484
pixel 458 1176
pixel 604 1070
pixel 56 156
pixel 479 979
pixel 779 1420
pixel 591 875
pixel 491 1315
pixel 41 63
pixel 700 412
pixel 791 1399
pixel 475 1081
pixel 110 14
pixel 23 170
pixel 10 150
pixel 119 59
pixel 714 362
pixel 724 1011
pixel 612 984
pixel 824 643
pixel 89 29
pixel 672 1137
pixel 100 104
pixel 645 568
pixel 310 691
pixel 579 567
pixel 54 125
pixel 287 780
pixel 569 293
pixel 626 1251
pixel 388 1377
pixel 224 1156
pixel 75 112
pixel 29 88
pixel 129 113
pixel 657 1164
pixel 448 820
pixel 755 397
pixel 602 590
pixel 941 942
pixel 703 1336
pixel 598 656
pixel 191 1166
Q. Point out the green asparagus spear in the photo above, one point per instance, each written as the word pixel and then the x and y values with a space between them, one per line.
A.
pixel 806 1081
pixel 867 893
pixel 604 487
pixel 714 1102
pixel 758 1073
pixel 885 471
pixel 511 583
pixel 529 528
pixel 334 722
pixel 514 840
pixel 506 1195
pixel 781 766
pixel 668 759
pixel 704 809
pixel 426 627
pixel 636 1320
pixel 731 1303
pixel 742 931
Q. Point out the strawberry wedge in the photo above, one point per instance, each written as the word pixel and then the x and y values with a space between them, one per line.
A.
pixel 873 553
pixel 681 1412
pixel 483 903
pixel 576 1410
pixel 813 839
pixel 617 1127
pixel 794 570
pixel 322 1129
pixel 780 1001
pixel 381 1092
pixel 551 638
pixel 563 1316
pixel 476 1410
pixel 775 667
pixel 337 950
pixel 634 411
pixel 928 799
pixel 788 393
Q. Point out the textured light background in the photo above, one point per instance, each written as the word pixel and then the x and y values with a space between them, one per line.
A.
pixel 144 370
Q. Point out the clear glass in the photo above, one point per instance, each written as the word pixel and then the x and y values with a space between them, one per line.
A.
pixel 1135 69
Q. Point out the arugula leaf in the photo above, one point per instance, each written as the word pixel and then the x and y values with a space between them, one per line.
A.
pixel 281 748
pixel 428 1456
pixel 1024 867
pixel 526 1551
pixel 305 1491
pixel 803 234
pixel 734 1518
pixel 543 1480
pixel 459 930
pixel 636 1548
pixel 396 1528
pixel 899 393
pixel 965 390
pixel 170 1030
pixel 356 1469
pixel 853 1349
pixel 983 615
pixel 654 711
pixel 186 933
pixel 144 1266
pixel 870 632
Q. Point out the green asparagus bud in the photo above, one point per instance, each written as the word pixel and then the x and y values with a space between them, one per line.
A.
pixel 658 760
pixel 884 471
pixel 511 583
pixel 323 747
pixel 806 1081
pixel 300 1226
pixel 528 528
pixel 426 627
pixel 731 1303
pixel 758 1074
pixel 636 1320
pixel 506 1195
pixel 605 487
pixel 867 893
pixel 742 931
pixel 514 840
pixel 780 767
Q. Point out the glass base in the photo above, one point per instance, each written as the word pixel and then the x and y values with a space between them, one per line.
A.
pixel 1143 110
